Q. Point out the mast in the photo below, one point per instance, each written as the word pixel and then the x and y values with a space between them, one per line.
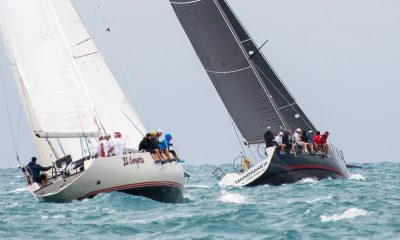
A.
pixel 287 105
pixel 220 41
pixel 66 93
pixel 227 63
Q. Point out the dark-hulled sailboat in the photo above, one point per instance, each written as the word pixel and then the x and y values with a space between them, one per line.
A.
pixel 253 94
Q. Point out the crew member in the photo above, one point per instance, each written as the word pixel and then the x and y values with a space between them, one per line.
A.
pixel 110 145
pixel 269 138
pixel 34 170
pixel 118 144
pixel 165 146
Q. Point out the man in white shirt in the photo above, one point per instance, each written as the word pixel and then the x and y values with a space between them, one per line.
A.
pixel 297 140
pixel 118 144
pixel 110 144
pixel 278 140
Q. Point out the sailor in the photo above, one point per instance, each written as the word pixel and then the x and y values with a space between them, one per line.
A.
pixel 147 145
pixel 324 144
pixel 103 147
pixel 159 133
pixel 110 145
pixel 287 139
pixel 156 144
pixel 310 139
pixel 118 144
pixel 34 169
pixel 297 140
pixel 304 138
pixel 165 146
pixel 269 138
pixel 317 141
pixel 278 141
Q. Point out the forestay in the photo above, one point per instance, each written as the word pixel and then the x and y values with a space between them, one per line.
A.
pixel 227 63
pixel 62 90
pixel 288 107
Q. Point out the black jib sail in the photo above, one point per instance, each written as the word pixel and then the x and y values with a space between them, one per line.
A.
pixel 250 89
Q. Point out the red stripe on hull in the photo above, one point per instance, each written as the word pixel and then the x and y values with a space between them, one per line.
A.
pixel 320 167
pixel 137 185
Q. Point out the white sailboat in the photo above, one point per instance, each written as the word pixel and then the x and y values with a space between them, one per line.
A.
pixel 70 97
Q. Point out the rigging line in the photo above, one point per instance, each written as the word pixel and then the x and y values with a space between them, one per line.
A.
pixel 13 63
pixel 76 70
pixel 236 37
pixel 237 135
pixel 212 75
pixel 250 38
pixel 291 105
pixel 8 113
pixel 91 37
pixel 258 50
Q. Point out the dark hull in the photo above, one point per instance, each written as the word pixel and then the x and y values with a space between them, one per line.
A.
pixel 166 194
pixel 289 169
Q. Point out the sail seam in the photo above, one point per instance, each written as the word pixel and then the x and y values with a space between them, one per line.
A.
pixel 184 3
pixel 233 71
pixel 254 70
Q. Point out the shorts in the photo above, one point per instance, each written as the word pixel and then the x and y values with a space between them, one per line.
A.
pixel 301 144
pixel 40 178
pixel 289 145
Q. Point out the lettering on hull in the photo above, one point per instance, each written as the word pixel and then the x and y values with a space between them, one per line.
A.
pixel 132 161
pixel 252 173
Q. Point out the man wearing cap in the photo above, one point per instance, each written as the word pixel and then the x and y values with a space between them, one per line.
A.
pixel 297 140
pixel 110 145
pixel 278 141
pixel 324 144
pixel 269 138
pixel 118 144
pixel 34 170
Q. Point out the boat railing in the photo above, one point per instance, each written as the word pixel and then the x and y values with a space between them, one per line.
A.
pixel 338 152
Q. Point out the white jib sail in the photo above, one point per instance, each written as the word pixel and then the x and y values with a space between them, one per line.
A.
pixel 62 90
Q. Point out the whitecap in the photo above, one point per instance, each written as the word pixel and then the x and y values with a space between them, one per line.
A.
pixel 18 190
pixel 197 186
pixel 54 216
pixel 357 177
pixel 307 180
pixel 232 198
pixel 348 214
pixel 319 199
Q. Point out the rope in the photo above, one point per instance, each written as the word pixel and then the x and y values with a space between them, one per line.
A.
pixel 237 135
pixel 9 117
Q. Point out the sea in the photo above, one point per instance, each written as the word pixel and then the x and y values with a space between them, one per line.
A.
pixel 366 206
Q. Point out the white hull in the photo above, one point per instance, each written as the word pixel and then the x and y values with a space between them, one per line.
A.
pixel 136 174
pixel 245 178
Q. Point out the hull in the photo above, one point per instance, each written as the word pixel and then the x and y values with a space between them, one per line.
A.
pixel 279 169
pixel 135 174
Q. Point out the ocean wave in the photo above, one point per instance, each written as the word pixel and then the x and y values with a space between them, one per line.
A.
pixel 19 190
pixel 232 198
pixel 357 177
pixel 60 216
pixel 197 186
pixel 319 199
pixel 307 180
pixel 348 214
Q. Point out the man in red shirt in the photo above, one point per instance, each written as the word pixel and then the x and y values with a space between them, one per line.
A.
pixel 317 142
pixel 324 144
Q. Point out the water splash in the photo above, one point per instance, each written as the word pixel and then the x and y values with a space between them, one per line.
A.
pixel 348 214
pixel 232 198
pixel 357 177
pixel 319 199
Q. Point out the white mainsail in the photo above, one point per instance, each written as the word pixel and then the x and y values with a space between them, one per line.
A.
pixel 64 87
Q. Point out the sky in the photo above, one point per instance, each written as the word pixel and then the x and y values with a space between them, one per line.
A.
pixel 340 59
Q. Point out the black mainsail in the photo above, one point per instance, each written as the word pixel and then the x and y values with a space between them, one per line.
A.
pixel 250 89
